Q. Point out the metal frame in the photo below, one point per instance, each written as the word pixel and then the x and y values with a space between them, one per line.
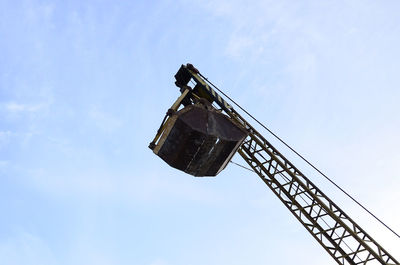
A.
pixel 170 111
pixel 337 233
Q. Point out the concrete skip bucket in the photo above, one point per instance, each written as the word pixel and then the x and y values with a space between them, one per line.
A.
pixel 199 140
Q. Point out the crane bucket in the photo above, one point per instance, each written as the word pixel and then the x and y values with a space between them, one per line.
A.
pixel 199 140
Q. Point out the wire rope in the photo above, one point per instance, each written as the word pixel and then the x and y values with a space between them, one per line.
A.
pixel 302 157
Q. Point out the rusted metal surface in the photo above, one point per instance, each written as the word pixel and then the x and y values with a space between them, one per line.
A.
pixel 199 140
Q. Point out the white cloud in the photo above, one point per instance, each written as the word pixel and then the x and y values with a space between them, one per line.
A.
pixel 238 44
pixel 4 164
pixel 17 138
pixel 29 249
pixel 37 12
pixel 25 248
pixel 256 28
pixel 139 186
pixel 18 107
pixel 4 135
pixel 104 120
pixel 86 250
pixel 159 262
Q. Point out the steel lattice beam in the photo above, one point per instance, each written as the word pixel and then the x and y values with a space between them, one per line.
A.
pixel 344 240
pixel 337 233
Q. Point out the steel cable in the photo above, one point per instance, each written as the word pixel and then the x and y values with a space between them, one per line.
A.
pixel 302 157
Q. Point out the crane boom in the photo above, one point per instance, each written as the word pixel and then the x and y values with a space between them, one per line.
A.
pixel 336 232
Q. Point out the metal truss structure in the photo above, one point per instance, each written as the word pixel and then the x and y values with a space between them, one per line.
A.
pixel 338 234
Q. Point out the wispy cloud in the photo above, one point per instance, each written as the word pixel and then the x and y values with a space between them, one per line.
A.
pixel 26 248
pixel 30 249
pixel 138 187
pixel 159 262
pixel 4 135
pixel 19 107
pixel 104 120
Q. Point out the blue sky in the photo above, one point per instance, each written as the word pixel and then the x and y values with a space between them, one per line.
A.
pixel 84 86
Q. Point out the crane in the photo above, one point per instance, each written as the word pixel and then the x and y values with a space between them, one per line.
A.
pixel 201 132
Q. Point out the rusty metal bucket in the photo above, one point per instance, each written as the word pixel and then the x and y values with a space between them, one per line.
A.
pixel 199 140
